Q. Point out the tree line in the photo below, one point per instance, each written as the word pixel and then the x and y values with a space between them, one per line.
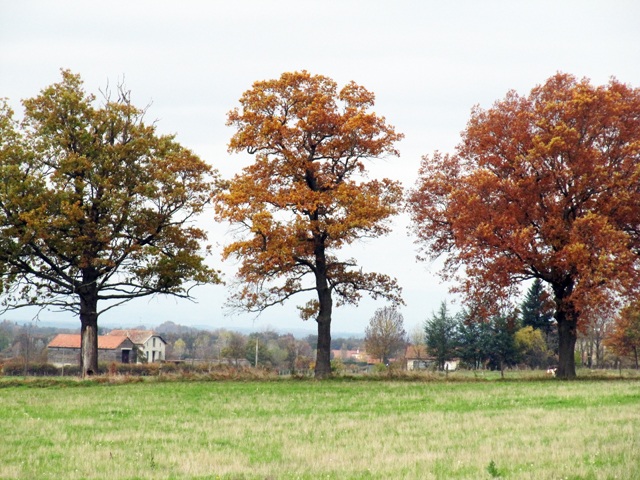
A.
pixel 525 336
pixel 98 209
pixel 26 343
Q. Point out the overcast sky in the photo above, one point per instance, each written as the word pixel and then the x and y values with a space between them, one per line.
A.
pixel 428 62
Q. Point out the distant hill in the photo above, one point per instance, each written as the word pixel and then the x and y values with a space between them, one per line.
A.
pixel 172 327
pixel 168 327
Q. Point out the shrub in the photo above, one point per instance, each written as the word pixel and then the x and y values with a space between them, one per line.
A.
pixel 18 368
pixel 380 368
pixel 72 370
pixel 337 366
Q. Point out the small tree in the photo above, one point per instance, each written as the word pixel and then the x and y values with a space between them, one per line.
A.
pixel 471 340
pixel 501 348
pixel 532 347
pixel 440 332
pixel 385 335
pixel 179 349
pixel 624 338
pixel 257 351
pixel 235 348
pixel 537 309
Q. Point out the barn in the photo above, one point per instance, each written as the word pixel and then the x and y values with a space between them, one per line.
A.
pixel 64 349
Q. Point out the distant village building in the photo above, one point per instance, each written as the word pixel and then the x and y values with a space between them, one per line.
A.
pixel 151 346
pixel 351 355
pixel 64 349
pixel 417 358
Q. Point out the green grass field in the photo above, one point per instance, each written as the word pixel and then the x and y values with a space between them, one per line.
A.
pixel 338 429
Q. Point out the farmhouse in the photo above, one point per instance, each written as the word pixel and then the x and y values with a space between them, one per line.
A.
pixel 151 345
pixel 417 358
pixel 64 349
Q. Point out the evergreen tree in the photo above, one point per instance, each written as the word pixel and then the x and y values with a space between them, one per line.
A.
pixel 440 333
pixel 536 311
pixel 471 340
pixel 501 345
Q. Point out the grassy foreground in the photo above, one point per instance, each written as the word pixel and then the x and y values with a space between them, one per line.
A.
pixel 335 429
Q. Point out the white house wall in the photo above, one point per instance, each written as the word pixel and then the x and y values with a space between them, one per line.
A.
pixel 154 349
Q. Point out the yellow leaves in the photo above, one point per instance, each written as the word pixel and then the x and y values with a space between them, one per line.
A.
pixel 309 309
pixel 298 116
pixel 356 96
pixel 300 199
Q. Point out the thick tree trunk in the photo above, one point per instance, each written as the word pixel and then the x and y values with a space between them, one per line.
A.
pixel 325 304
pixel 89 332
pixel 323 354
pixel 567 318
pixel 567 342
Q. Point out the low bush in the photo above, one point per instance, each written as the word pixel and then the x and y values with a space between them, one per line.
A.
pixel 36 369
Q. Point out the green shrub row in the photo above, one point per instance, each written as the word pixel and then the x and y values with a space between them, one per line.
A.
pixel 18 368
pixel 36 369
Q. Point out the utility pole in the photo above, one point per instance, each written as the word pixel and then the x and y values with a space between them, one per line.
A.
pixel 256 363
pixel 26 350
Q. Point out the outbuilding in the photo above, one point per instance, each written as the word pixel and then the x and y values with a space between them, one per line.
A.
pixel 64 349
pixel 151 345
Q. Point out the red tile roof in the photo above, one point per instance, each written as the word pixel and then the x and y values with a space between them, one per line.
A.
pixel 416 351
pixel 70 340
pixel 137 336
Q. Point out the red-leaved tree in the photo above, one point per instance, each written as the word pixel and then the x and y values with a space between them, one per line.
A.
pixel 541 186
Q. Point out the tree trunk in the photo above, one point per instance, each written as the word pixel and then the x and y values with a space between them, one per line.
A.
pixel 323 355
pixel 567 319
pixel 325 304
pixel 89 331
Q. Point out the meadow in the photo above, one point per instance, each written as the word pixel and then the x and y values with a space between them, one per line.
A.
pixel 337 429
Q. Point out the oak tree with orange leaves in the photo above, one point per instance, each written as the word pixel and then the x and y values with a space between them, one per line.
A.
pixel 306 196
pixel 96 208
pixel 541 186
pixel 624 340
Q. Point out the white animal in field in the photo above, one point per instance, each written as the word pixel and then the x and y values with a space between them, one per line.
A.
pixel 551 371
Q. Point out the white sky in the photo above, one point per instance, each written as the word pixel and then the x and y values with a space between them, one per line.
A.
pixel 428 62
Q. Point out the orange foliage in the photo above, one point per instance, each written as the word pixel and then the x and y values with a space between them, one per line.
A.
pixel 306 195
pixel 624 340
pixel 543 186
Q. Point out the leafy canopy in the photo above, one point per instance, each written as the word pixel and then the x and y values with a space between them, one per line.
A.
pixel 385 334
pixel 624 339
pixel 441 335
pixel 94 201
pixel 543 186
pixel 306 195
